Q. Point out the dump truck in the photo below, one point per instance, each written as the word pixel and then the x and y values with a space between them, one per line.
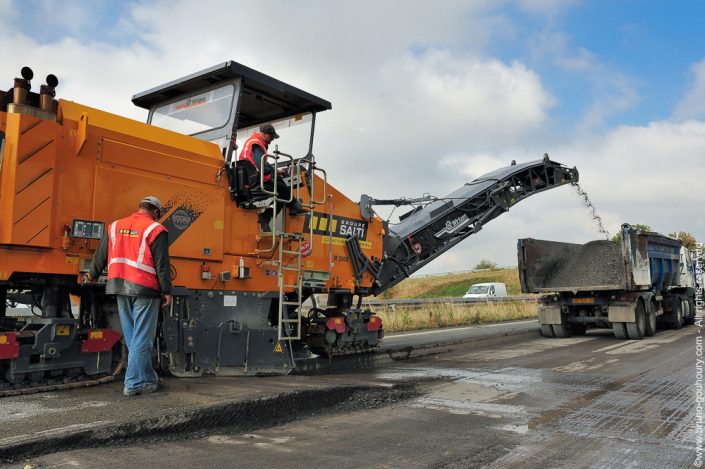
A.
pixel 246 273
pixel 631 286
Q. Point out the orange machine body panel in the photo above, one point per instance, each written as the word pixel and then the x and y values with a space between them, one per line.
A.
pixel 93 165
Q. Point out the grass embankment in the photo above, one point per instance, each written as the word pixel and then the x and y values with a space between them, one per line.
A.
pixel 447 315
pixel 397 318
pixel 453 285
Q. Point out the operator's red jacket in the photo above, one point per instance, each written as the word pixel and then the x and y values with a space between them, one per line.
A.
pixel 246 154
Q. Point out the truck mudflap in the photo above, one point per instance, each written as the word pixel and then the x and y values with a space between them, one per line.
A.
pixel 621 312
pixel 549 313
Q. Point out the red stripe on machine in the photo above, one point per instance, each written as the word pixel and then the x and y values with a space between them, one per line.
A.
pixel 100 340
pixel 336 324
pixel 9 348
pixel 375 323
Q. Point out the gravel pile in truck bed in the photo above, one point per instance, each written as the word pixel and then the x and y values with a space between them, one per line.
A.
pixel 597 263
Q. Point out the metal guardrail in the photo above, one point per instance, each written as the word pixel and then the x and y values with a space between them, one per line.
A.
pixel 431 301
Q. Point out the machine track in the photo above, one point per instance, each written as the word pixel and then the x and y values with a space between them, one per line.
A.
pixel 59 383
pixel 343 351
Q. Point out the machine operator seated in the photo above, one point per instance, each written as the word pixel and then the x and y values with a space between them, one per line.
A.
pixel 253 150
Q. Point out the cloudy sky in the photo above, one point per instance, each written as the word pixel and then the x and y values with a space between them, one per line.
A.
pixel 429 95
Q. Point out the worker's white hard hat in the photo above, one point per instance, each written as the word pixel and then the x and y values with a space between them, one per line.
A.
pixel 150 199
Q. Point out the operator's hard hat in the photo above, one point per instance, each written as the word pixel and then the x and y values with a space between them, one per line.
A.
pixel 269 130
pixel 150 199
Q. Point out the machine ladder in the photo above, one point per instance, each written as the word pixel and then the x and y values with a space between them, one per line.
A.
pixel 289 246
pixel 289 328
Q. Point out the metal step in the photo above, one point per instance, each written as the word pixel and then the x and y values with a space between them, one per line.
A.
pixel 291 236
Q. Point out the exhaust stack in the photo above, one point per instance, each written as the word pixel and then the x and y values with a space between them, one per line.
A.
pixel 47 93
pixel 22 86
pixel 42 105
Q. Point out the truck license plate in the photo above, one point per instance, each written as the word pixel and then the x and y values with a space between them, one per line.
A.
pixel 583 300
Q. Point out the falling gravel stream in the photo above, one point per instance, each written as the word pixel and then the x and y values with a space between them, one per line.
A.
pixel 593 211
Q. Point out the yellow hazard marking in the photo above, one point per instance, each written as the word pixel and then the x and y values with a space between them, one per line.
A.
pixel 72 258
pixel 63 330
pixel 338 320
pixel 321 223
pixel 3 339
pixel 219 225
pixel 96 335
pixel 278 348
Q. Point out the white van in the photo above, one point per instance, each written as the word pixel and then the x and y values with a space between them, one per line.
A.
pixel 484 290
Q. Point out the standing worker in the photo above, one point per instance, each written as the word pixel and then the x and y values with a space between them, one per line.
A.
pixel 253 150
pixel 136 251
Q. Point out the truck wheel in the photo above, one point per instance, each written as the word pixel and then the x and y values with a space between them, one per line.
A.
pixel 547 331
pixel 620 330
pixel 677 316
pixel 688 319
pixel 635 329
pixel 561 330
pixel 650 321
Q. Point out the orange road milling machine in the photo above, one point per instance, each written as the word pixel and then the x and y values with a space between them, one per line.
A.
pixel 241 277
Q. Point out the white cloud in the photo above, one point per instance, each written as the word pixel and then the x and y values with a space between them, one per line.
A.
pixel 693 103
pixel 471 166
pixel 485 97
pixel 652 171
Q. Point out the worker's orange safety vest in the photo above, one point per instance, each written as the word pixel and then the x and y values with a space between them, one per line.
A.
pixel 129 254
pixel 246 153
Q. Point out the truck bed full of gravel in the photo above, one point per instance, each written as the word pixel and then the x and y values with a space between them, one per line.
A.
pixel 597 263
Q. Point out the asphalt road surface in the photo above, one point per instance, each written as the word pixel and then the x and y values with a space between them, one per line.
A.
pixel 587 401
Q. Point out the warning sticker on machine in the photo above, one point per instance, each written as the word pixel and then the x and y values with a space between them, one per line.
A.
pixel 341 242
pixel 278 348
pixel 230 300
pixel 339 227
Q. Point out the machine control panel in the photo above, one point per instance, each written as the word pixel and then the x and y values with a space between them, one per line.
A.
pixel 87 229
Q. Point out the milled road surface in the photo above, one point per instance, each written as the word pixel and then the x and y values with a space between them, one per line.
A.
pixel 587 401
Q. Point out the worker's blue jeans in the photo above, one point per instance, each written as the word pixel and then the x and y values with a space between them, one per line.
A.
pixel 138 316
